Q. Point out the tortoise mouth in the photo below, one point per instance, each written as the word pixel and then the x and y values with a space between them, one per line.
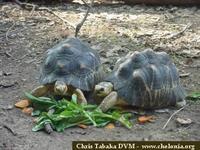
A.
pixel 101 91
pixel 100 94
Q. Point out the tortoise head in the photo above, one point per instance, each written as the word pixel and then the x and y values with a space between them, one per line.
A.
pixel 60 88
pixel 103 89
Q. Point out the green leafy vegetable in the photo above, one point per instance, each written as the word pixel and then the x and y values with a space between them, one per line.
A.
pixel 36 113
pixel 69 113
pixel 194 96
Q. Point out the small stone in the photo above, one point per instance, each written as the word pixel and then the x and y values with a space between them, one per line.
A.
pixel 184 121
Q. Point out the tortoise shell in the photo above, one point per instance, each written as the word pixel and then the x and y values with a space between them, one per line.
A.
pixel 147 79
pixel 74 63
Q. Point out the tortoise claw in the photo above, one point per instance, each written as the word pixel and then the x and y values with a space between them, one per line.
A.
pixel 80 96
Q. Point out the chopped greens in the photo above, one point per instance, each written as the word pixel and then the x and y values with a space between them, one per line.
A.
pixel 194 96
pixel 69 113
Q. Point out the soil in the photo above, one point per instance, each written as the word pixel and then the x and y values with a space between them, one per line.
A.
pixel 113 30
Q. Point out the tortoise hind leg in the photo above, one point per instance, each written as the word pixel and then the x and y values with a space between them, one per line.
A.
pixel 181 103
pixel 109 101
pixel 80 96
pixel 40 90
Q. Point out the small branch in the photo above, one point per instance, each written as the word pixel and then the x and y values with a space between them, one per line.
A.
pixel 85 3
pixel 33 7
pixel 50 11
pixel 181 32
pixel 78 27
pixel 7 53
pixel 3 85
pixel 10 29
pixel 184 75
pixel 10 130
pixel 172 116
pixel 26 5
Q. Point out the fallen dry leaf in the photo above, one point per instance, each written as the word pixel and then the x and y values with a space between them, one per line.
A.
pixel 28 110
pixel 35 120
pixel 83 126
pixel 144 119
pixel 22 103
pixel 110 126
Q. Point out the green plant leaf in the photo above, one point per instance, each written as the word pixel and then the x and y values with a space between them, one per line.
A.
pixel 69 114
pixel 41 125
pixel 41 100
pixel 35 113
pixel 194 96
pixel 74 98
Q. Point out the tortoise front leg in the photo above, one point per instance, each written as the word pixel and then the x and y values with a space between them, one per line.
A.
pixel 40 91
pixel 109 101
pixel 80 97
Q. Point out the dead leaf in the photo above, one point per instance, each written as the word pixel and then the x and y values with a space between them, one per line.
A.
pixel 28 110
pixel 83 126
pixel 35 120
pixel 22 103
pixel 144 119
pixel 184 121
pixel 110 126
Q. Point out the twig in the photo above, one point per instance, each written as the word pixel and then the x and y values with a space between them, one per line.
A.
pixel 2 85
pixel 26 5
pixel 10 29
pixel 52 12
pixel 184 75
pixel 32 11
pixel 9 129
pixel 172 116
pixel 33 7
pixel 85 3
pixel 6 54
pixel 78 27
pixel 181 32
pixel 23 56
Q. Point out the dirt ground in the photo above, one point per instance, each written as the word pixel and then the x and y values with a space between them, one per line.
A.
pixel 113 30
